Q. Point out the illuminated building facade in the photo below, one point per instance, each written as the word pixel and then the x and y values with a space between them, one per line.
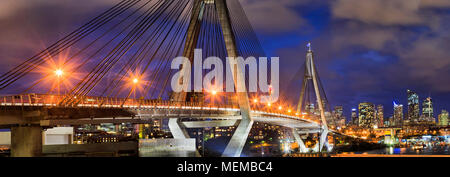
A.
pixel 310 109
pixel 380 115
pixel 388 121
pixel 398 115
pixel 413 106
pixel 366 115
pixel 354 117
pixel 338 115
pixel 427 109
pixel 443 118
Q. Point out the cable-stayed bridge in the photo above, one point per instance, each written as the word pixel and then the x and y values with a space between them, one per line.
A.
pixel 117 68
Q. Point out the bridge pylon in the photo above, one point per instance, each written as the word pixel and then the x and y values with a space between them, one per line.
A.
pixel 237 142
pixel 311 76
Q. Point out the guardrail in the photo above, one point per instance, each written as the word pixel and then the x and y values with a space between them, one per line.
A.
pixel 46 100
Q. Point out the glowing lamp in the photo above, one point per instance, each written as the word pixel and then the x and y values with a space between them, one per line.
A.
pixel 59 72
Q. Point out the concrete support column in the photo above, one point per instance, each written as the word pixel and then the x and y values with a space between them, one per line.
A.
pixel 301 144
pixel 26 141
pixel 181 136
pixel 177 129
pixel 323 139
pixel 237 142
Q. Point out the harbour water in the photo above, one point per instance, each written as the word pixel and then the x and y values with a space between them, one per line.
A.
pixel 428 150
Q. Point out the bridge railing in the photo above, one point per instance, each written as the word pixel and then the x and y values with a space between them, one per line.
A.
pixel 109 102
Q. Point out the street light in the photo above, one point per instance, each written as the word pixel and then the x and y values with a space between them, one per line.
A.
pixel 59 72
pixel 135 80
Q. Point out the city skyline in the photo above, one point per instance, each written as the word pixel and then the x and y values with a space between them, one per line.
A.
pixel 390 112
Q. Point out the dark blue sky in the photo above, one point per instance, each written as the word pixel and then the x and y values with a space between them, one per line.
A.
pixel 366 50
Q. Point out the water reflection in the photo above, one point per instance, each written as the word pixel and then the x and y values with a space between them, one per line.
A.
pixel 428 150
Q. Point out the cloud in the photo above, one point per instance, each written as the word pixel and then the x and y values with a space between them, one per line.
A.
pixel 427 62
pixel 30 26
pixel 435 3
pixel 271 17
pixel 356 35
pixel 382 12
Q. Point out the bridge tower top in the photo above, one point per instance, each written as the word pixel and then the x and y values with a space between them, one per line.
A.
pixel 311 75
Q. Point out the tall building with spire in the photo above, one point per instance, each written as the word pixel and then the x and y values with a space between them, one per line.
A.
pixel 413 106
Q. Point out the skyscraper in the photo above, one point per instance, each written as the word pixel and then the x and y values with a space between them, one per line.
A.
pixel 354 117
pixel 380 115
pixel 366 115
pixel 427 109
pixel 338 115
pixel 310 108
pixel 443 118
pixel 413 106
pixel 398 115
pixel 388 121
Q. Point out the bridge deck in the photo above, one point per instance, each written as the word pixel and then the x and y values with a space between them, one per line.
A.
pixel 140 110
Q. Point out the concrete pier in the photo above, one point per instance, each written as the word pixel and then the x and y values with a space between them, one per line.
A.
pixel 26 141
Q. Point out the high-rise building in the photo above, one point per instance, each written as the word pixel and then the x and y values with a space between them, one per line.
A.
pixel 366 115
pixel 413 106
pixel 427 109
pixel 380 115
pixel 338 115
pixel 354 117
pixel 443 118
pixel 310 108
pixel 398 115
pixel 338 111
pixel 388 121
